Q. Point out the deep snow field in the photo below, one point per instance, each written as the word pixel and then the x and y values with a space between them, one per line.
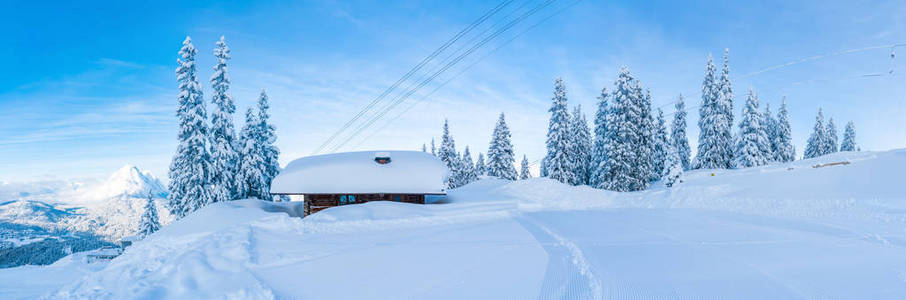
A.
pixel 774 232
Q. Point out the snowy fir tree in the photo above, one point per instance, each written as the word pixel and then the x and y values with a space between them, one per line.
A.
pixel 267 136
pixel 783 138
pixel 678 138
pixel 816 142
pixel 715 148
pixel 223 135
pixel 191 167
pixel 424 148
pixel 599 150
pixel 580 147
pixel 673 168
pixel 830 145
pixel 770 129
pixel 433 149
pixel 524 171
pixel 501 160
pixel 558 164
pixel 149 222
pixel 250 175
pixel 480 168
pixel 468 174
pixel 447 154
pixel 660 149
pixel 624 140
pixel 647 159
pixel 750 150
pixel 849 138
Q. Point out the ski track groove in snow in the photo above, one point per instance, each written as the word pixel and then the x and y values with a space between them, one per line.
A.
pixel 564 280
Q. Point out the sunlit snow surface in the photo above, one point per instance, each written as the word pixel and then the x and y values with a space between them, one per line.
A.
pixel 774 232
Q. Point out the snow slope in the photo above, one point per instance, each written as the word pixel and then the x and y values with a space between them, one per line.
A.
pixel 774 232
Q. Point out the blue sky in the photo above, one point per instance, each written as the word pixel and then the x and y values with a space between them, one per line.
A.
pixel 86 88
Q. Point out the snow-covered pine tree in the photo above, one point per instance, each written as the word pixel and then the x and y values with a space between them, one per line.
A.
pixel 596 177
pixel 191 168
pixel 580 147
pixel 250 178
pixel 849 138
pixel 424 148
pixel 149 222
pixel 786 152
pixel 764 142
pixel 647 159
pixel 433 149
pixel 468 168
pixel 480 168
pixel 815 145
pixel 678 137
pixel 715 138
pixel 524 171
pixel 447 154
pixel 660 148
pixel 830 145
pixel 624 140
pixel 223 135
pixel 501 161
pixel 673 168
pixel 269 152
pixel 557 161
pixel 749 150
pixel 770 129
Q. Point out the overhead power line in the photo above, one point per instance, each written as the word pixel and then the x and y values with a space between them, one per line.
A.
pixel 412 71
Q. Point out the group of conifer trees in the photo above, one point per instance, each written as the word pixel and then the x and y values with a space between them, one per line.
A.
pixel 500 160
pixel 213 164
pixel 630 146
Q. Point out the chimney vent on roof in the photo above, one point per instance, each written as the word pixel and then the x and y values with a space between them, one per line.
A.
pixel 382 158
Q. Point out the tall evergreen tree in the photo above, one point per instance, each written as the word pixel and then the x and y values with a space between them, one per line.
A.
pixel 786 152
pixel 750 151
pixel 831 133
pixel 223 135
pixel 191 168
pixel 447 154
pixel 849 138
pixel 525 172
pixel 480 168
pixel 597 176
pixel 647 160
pixel 468 168
pixel 678 137
pixel 580 147
pixel 149 222
pixel 250 177
pixel 269 152
pixel 770 129
pixel 557 161
pixel 817 141
pixel 715 138
pixel 625 141
pixel 660 147
pixel 501 161
pixel 433 149
pixel 424 148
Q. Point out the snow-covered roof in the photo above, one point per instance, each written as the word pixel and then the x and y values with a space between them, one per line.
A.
pixel 408 172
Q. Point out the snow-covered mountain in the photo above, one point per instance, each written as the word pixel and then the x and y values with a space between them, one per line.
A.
pixel 46 212
pixel 829 227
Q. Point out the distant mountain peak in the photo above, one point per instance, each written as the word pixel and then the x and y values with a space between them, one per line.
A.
pixel 129 181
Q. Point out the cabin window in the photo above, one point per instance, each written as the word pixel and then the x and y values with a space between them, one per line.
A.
pixel 396 198
pixel 351 198
pixel 343 199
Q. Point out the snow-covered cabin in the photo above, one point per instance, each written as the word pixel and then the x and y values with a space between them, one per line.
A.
pixel 358 177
